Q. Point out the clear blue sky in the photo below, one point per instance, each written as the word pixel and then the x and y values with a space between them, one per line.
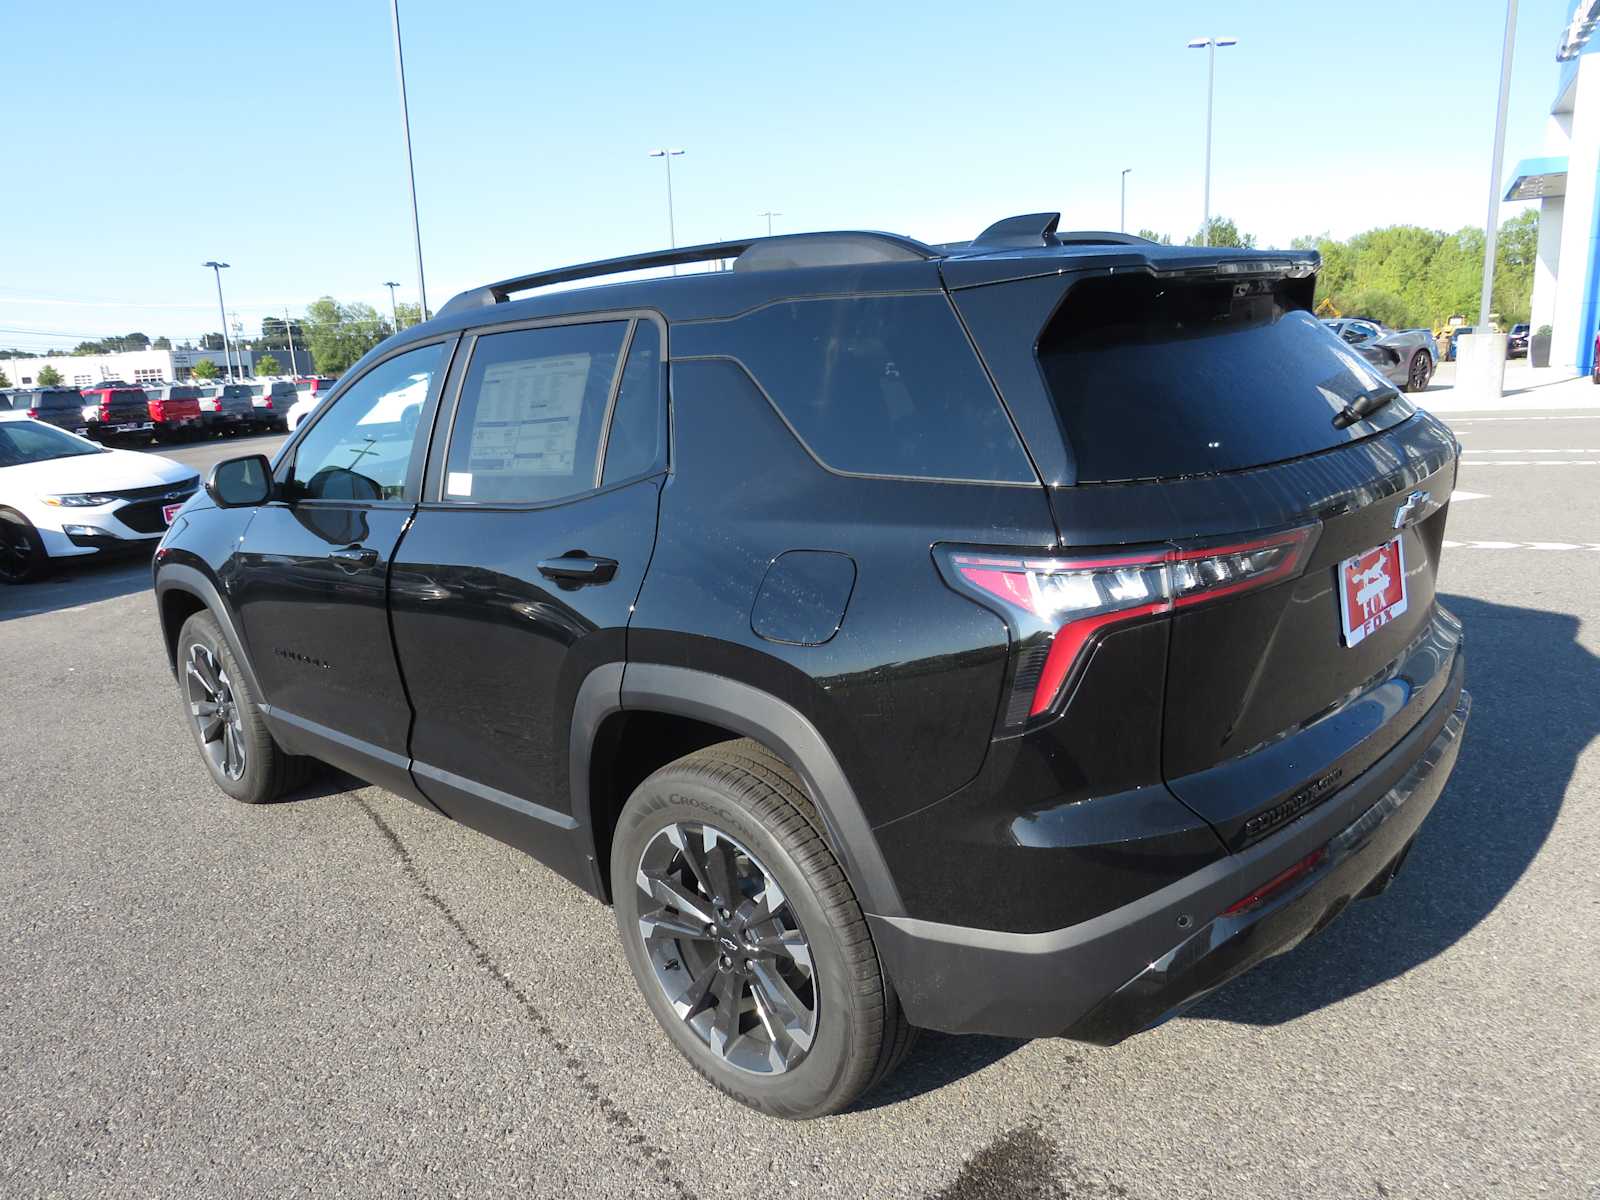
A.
pixel 145 139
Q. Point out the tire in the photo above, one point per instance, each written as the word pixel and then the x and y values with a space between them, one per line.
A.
pixel 1419 372
pixel 750 813
pixel 241 755
pixel 23 558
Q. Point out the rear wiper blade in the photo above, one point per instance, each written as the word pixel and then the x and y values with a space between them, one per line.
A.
pixel 1362 407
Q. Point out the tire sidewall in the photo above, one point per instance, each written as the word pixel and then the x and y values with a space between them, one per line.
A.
pixel 671 797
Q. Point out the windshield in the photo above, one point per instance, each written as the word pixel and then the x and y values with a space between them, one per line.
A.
pixel 24 442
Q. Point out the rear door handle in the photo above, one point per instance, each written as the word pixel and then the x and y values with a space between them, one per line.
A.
pixel 574 569
pixel 352 557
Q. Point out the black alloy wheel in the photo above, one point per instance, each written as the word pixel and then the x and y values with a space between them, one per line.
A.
pixel 727 949
pixel 1420 372
pixel 745 937
pixel 235 744
pixel 215 711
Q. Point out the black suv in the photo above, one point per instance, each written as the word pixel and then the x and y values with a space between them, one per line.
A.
pixel 1023 636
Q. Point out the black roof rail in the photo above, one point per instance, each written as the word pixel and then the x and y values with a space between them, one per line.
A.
pixel 750 254
pixel 1101 237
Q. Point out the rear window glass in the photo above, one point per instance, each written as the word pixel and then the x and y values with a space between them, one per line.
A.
pixel 1157 379
pixel 880 385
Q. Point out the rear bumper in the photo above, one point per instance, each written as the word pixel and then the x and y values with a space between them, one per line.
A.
pixel 1135 966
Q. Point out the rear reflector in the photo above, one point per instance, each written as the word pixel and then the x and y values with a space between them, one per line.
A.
pixel 1278 882
pixel 1066 603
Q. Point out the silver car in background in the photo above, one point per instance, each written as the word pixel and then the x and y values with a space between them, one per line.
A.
pixel 1406 357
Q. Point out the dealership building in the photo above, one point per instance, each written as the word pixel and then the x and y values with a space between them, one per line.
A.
pixel 145 366
pixel 1565 180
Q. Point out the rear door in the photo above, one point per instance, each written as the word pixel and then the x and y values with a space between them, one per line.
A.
pixel 309 579
pixel 1209 414
pixel 520 572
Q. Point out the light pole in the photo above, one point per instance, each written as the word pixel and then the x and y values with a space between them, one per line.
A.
pixel 1123 220
pixel 393 307
pixel 227 354
pixel 411 171
pixel 672 230
pixel 769 216
pixel 1492 227
pixel 1209 45
pixel 288 328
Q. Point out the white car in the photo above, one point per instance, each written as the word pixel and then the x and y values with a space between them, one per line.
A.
pixel 311 392
pixel 63 496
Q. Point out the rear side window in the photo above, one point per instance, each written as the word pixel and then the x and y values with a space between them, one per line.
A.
pixel 881 385
pixel 527 426
pixel 1155 379
pixel 639 418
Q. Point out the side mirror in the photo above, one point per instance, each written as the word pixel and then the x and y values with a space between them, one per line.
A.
pixel 240 482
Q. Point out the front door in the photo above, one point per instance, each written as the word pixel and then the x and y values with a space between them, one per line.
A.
pixel 309 579
pixel 521 568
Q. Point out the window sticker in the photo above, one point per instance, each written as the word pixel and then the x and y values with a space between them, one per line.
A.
pixel 527 419
pixel 458 483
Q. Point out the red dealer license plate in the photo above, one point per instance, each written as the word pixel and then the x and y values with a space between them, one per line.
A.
pixel 1372 590
pixel 168 511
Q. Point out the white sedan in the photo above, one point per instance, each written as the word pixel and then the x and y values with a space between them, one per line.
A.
pixel 63 496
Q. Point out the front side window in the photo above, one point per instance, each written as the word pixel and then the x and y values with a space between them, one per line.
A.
pixel 527 427
pixel 361 448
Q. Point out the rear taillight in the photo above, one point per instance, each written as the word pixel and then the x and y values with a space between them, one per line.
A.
pixel 33 412
pixel 267 403
pixel 1059 607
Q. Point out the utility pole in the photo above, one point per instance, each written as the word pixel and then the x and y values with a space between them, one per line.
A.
pixel 769 216
pixel 1122 224
pixel 411 171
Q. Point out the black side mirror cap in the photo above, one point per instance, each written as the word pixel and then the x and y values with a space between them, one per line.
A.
pixel 240 482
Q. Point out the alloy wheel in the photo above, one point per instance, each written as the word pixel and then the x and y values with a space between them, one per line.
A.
pixel 215 711
pixel 1419 373
pixel 727 949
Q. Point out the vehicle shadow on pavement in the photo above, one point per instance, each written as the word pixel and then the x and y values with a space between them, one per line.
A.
pixel 73 584
pixel 1536 706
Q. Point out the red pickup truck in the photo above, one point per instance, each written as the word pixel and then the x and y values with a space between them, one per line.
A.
pixel 174 408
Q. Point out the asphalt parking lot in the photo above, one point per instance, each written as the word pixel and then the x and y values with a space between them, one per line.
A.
pixel 343 995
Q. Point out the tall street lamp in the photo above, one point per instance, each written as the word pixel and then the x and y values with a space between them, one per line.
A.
pixel 227 352
pixel 393 307
pixel 1209 45
pixel 672 230
pixel 1123 220
pixel 411 172
pixel 769 216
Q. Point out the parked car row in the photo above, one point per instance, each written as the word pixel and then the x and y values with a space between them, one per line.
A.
pixel 164 411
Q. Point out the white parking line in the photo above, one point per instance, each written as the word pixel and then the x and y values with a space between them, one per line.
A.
pixel 1458 495
pixel 1544 450
pixel 1530 462
pixel 1481 545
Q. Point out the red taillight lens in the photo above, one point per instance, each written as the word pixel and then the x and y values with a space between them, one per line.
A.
pixel 1058 606
pixel 267 403
pixel 33 412
pixel 1278 882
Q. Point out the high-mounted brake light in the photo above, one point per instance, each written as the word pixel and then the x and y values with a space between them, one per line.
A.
pixel 1058 607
